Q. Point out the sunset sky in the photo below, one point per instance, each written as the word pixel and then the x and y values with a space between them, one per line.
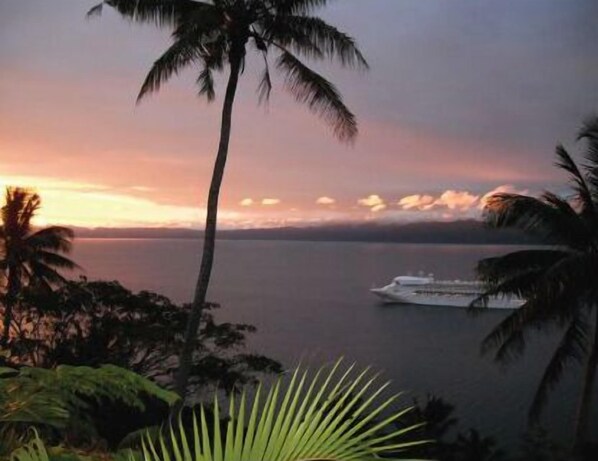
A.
pixel 464 97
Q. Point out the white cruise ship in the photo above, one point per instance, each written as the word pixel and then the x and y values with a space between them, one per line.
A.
pixel 429 292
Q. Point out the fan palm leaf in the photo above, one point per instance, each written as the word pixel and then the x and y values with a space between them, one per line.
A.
pixel 337 414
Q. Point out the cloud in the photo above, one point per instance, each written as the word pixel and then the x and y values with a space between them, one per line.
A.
pixel 374 202
pixel 246 202
pixel 270 201
pixel 454 202
pixel 449 199
pixel 416 202
pixel 325 201
pixel 457 200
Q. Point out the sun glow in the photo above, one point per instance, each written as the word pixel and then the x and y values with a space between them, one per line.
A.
pixel 90 205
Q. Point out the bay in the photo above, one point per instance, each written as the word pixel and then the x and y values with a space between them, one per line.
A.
pixel 311 302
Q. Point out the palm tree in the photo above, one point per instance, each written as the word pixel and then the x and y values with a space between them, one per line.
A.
pixel 214 34
pixel 557 282
pixel 29 256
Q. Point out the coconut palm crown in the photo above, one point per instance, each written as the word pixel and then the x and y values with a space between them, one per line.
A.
pixel 557 281
pixel 215 35
pixel 29 256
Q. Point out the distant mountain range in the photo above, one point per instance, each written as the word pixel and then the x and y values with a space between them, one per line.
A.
pixel 462 232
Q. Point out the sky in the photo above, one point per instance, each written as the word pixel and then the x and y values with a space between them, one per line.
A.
pixel 464 98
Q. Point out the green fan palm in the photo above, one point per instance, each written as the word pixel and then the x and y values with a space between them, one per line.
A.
pixel 29 256
pixel 332 416
pixel 558 282
pixel 212 35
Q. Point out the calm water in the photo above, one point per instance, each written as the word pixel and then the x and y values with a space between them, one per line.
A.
pixel 312 299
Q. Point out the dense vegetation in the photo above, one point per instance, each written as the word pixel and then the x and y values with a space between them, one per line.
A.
pixel 94 323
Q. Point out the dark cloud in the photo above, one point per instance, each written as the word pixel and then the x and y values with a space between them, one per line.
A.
pixel 517 73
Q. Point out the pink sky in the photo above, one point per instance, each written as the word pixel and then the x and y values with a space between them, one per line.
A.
pixel 459 102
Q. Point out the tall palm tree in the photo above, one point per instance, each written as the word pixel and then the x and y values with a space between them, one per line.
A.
pixel 558 282
pixel 29 256
pixel 214 34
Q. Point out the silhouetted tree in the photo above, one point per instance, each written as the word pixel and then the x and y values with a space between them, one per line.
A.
pixel 29 256
pixel 558 283
pixel 538 446
pixel 96 323
pixel 212 35
pixel 474 447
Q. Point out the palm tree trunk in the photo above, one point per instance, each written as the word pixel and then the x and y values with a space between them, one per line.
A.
pixel 8 304
pixel 207 258
pixel 12 290
pixel 585 402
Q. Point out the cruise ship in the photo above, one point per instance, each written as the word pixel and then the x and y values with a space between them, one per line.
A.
pixel 429 292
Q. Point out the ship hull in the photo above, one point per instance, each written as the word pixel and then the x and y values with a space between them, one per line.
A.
pixel 455 300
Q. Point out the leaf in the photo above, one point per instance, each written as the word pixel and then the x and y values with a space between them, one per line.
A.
pixel 323 422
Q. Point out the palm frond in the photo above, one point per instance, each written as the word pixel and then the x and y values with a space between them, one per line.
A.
pixel 19 209
pixel 181 53
pixel 572 348
pixel 580 186
pixel 319 94
pixel 53 238
pixel 265 85
pixel 508 338
pixel 333 417
pixel 520 284
pixel 497 269
pixel 43 275
pixel 286 7
pixel 55 260
pixel 589 133
pixel 314 38
pixel 548 217
pixel 555 295
pixel 29 210
pixel 95 11
pixel 205 81
pixel 159 12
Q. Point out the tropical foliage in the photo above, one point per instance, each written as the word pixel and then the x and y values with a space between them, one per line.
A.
pixel 29 256
pixel 34 450
pixel 331 415
pixel 440 425
pixel 213 34
pixel 558 282
pixel 60 399
pixel 94 323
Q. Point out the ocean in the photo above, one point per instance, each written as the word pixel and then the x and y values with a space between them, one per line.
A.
pixel 310 301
